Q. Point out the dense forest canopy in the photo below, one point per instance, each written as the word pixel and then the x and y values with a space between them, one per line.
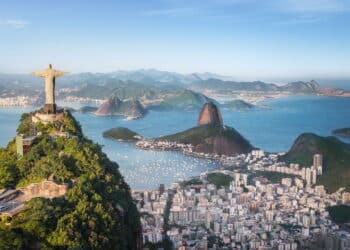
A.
pixel 96 213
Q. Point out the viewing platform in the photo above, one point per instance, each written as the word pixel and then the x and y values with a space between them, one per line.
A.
pixel 47 118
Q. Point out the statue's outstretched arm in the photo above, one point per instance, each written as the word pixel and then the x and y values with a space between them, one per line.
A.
pixel 39 73
pixel 60 73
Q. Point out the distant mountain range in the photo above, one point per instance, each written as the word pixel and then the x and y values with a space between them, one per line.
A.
pixel 150 85
pixel 153 76
pixel 146 76
pixel 311 87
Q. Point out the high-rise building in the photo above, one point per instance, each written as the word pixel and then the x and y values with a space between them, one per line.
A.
pixel 303 173
pixel 306 221
pixel 269 215
pixel 318 163
pixel 313 176
pixel 244 179
pixel 308 176
pixel 161 189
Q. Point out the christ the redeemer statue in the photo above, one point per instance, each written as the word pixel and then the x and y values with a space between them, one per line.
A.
pixel 50 75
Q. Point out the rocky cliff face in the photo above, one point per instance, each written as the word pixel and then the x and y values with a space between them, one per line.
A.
pixel 113 106
pixel 133 109
pixel 108 107
pixel 210 114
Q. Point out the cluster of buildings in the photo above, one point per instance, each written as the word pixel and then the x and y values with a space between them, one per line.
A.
pixel 188 149
pixel 19 101
pixel 164 145
pixel 270 163
pixel 247 214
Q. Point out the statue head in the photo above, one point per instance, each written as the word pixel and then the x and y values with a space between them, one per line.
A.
pixel 50 66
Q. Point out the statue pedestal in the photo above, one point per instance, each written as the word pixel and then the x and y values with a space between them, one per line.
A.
pixel 50 109
pixel 47 118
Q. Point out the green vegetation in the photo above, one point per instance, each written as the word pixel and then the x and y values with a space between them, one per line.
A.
pixel 121 133
pixel 87 109
pixel 340 214
pixel 291 227
pixel 219 179
pixel 344 132
pixel 97 212
pixel 166 243
pixel 273 177
pixel 183 100
pixel 131 108
pixel 199 134
pixel 238 105
pixel 311 87
pixel 192 181
pixel 9 172
pixel 105 87
pixel 212 139
pixel 336 158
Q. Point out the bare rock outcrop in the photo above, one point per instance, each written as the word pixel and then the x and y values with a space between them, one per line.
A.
pixel 210 114
pixel 132 109
pixel 109 107
pixel 46 189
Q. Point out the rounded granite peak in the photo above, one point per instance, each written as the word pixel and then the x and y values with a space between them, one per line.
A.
pixel 210 114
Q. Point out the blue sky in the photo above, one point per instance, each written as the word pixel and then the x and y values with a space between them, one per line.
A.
pixel 247 39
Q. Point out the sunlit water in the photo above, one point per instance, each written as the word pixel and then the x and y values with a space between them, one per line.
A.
pixel 273 129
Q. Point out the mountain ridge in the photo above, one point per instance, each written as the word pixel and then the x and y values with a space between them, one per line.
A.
pixel 336 158
pixel 96 212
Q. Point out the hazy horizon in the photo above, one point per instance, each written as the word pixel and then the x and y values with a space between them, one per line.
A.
pixel 325 82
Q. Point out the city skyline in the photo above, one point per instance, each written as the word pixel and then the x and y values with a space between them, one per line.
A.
pixel 248 40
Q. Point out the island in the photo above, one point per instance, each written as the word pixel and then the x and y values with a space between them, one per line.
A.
pixel 343 132
pixel 121 134
pixel 131 109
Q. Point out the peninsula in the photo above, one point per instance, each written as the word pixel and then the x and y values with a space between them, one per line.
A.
pixel 210 138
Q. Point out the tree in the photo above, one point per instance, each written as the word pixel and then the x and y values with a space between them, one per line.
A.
pixel 9 173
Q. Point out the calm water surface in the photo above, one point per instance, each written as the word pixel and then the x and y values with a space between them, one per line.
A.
pixel 273 129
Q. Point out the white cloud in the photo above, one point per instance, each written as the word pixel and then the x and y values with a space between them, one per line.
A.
pixel 15 23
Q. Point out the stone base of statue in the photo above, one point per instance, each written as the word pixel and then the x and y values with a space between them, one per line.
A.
pixel 47 118
pixel 50 109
